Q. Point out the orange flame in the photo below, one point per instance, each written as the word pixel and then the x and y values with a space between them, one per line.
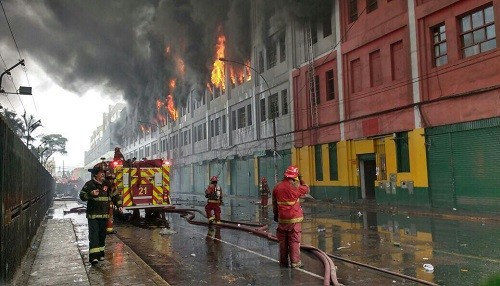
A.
pixel 172 84
pixel 167 50
pixel 232 75
pixel 239 75
pixel 218 66
pixel 162 121
pixel 248 70
pixel 180 66
pixel 209 87
pixel 171 107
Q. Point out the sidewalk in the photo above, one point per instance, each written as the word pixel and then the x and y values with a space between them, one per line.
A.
pixel 62 259
pixel 58 260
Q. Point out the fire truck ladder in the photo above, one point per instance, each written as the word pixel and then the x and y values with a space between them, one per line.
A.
pixel 311 75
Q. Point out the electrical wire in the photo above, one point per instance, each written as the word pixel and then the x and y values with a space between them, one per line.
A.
pixel 20 57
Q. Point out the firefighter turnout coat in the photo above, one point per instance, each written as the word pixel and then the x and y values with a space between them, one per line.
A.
pixel 97 207
pixel 286 205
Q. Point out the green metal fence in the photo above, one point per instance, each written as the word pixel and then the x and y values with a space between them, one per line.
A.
pixel 26 191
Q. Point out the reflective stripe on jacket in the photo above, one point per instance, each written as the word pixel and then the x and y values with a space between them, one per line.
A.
pixel 98 207
pixel 213 193
pixel 286 201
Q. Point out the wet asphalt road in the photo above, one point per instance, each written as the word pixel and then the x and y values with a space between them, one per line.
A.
pixel 461 252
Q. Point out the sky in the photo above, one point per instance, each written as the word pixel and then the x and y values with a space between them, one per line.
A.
pixel 83 55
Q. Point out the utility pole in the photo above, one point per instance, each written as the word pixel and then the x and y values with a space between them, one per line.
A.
pixel 275 143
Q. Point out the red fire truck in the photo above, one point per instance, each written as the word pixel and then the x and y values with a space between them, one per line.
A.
pixel 143 184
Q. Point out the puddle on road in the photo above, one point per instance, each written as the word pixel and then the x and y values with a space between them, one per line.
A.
pixel 460 252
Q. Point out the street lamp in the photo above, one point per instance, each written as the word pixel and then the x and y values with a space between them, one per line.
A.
pixel 25 90
pixel 275 143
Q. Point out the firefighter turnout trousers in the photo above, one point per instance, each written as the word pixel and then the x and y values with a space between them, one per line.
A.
pixel 97 237
pixel 213 207
pixel 289 235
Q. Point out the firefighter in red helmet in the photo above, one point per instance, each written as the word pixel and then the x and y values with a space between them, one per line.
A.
pixel 214 195
pixel 97 193
pixel 264 192
pixel 289 215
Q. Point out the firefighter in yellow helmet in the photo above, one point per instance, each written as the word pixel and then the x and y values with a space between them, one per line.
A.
pixel 97 193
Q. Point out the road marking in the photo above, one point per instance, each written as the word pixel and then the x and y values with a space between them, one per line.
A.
pixel 251 251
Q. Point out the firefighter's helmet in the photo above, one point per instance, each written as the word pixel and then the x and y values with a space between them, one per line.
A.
pixel 263 180
pixel 214 179
pixel 99 167
pixel 292 172
pixel 110 175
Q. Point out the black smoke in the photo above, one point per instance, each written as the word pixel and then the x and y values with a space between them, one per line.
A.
pixel 120 46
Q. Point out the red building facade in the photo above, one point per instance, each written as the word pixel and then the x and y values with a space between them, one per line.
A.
pixel 416 103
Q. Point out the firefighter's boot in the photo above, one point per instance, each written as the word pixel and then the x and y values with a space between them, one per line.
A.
pixel 211 220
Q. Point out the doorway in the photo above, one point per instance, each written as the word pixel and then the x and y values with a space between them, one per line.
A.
pixel 368 175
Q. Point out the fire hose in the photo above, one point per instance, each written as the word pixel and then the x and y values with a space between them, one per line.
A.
pixel 330 276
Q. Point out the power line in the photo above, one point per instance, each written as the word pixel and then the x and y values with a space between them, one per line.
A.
pixel 20 57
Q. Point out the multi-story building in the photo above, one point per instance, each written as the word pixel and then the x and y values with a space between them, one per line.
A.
pixel 392 101
pixel 102 144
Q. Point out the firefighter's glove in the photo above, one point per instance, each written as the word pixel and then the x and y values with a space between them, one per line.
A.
pixel 221 203
pixel 275 217
pixel 94 193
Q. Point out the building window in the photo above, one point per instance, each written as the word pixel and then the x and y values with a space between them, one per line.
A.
pixel 273 106
pixel 402 152
pixel 356 75
pixel 330 85
pixel 375 69
pixel 332 158
pixel 261 62
pixel 224 129
pixel 186 138
pixel 217 126
pixel 282 47
pixel 439 44
pixel 353 10
pixel 314 32
pixel 271 53
pixel 212 131
pixel 233 120
pixel 263 109
pixel 318 163
pixel 327 26
pixel 478 32
pixel 204 130
pixel 398 63
pixel 249 115
pixel 371 5
pixel 284 102
pixel 241 117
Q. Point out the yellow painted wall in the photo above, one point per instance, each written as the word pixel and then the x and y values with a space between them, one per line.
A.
pixel 348 165
pixel 418 159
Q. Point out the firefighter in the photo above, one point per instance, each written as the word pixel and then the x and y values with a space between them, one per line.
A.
pixel 97 194
pixel 214 195
pixel 264 192
pixel 289 215
pixel 110 182
pixel 118 156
